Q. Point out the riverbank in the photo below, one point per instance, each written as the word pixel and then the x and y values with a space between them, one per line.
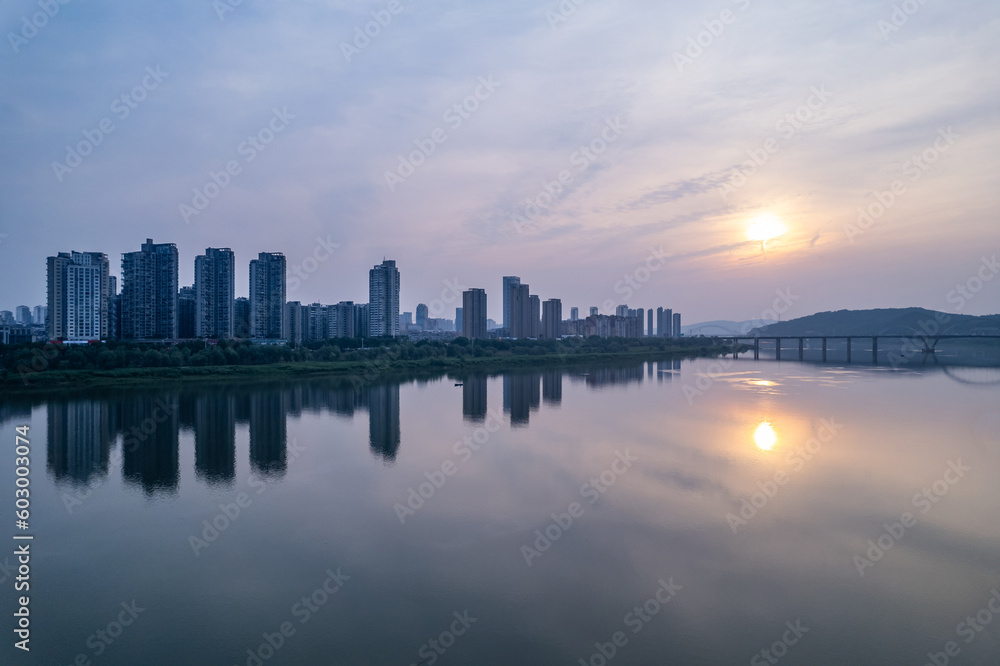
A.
pixel 364 371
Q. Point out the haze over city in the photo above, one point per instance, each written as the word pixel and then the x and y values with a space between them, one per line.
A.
pixel 673 125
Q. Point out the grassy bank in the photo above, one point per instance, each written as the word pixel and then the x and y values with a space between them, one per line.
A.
pixel 371 369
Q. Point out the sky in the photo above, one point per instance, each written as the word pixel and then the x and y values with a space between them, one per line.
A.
pixel 711 157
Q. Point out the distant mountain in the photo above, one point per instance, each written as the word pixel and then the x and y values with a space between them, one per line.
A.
pixel 888 321
pixel 724 327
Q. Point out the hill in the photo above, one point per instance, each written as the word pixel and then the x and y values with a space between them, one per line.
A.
pixel 887 321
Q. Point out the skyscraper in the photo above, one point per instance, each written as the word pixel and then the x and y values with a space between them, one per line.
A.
pixel 520 312
pixel 649 323
pixel 22 315
pixel 267 296
pixel 640 313
pixel 383 300
pixel 459 322
pixel 40 313
pixel 552 318
pixel 474 313
pixel 77 296
pixel 149 292
pixel 508 282
pixel 186 306
pixel 677 325
pixel 241 316
pixel 215 293
pixel 574 314
pixel 421 316
pixel 535 326
pixel 593 311
pixel 340 320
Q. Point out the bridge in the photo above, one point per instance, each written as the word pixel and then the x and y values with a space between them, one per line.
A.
pixel 929 342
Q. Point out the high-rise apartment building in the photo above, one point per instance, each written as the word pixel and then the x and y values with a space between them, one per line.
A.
pixel 383 300
pixel 509 281
pixel 520 311
pixel 593 311
pixel 267 296
pixel 22 315
pixel 574 314
pixel 459 320
pixel 215 293
pixel 341 320
pixel 649 322
pixel 187 306
pixel 535 304
pixel 149 292
pixel 77 296
pixel 39 313
pixel 552 318
pixel 241 317
pixel 422 316
pixel 677 325
pixel 474 314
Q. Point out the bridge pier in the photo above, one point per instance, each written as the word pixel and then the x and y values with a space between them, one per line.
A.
pixel 824 350
pixel 802 348
pixel 777 349
pixel 875 350
pixel 756 349
pixel 848 349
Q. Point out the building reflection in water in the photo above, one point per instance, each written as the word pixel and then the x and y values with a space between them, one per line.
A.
pixel 215 437
pixel 79 439
pixel 521 396
pixel 474 398
pixel 383 420
pixel 268 434
pixel 83 433
pixel 150 432
pixel 552 387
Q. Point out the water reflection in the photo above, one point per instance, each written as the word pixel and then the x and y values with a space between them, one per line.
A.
pixel 764 436
pixel 83 432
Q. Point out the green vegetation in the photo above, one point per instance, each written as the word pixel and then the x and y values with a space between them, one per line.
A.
pixel 49 365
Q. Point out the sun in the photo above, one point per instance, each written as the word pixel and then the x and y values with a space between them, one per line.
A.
pixel 764 436
pixel 764 228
